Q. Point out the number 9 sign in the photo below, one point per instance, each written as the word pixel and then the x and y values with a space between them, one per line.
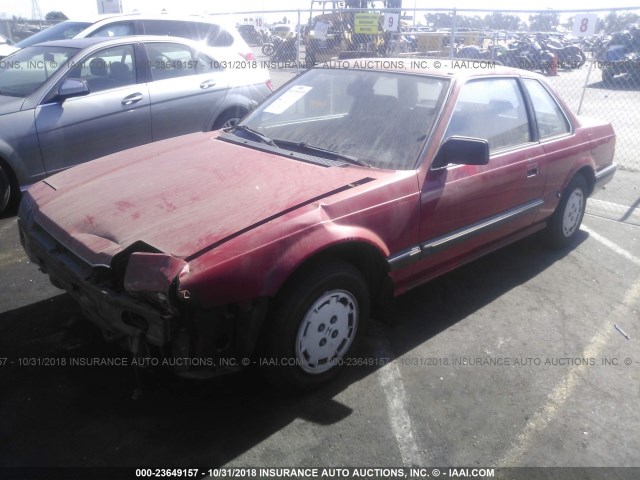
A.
pixel 391 22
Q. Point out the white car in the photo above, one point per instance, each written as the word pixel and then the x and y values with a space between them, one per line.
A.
pixel 215 34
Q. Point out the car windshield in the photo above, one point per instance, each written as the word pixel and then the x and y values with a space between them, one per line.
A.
pixel 381 119
pixel 24 72
pixel 60 31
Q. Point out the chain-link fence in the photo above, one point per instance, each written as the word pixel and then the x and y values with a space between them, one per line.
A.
pixel 591 57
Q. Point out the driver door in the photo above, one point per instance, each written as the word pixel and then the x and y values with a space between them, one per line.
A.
pixel 114 116
pixel 464 208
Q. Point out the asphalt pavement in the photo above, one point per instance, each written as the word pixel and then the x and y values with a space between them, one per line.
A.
pixel 526 357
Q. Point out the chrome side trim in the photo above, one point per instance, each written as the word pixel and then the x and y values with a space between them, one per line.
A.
pixel 435 245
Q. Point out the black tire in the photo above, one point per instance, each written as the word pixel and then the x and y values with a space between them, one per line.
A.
pixel 268 49
pixel 583 59
pixel 564 224
pixel 5 190
pixel 607 76
pixel 229 118
pixel 299 324
pixel 309 60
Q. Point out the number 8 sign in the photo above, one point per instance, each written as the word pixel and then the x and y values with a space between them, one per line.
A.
pixel 584 25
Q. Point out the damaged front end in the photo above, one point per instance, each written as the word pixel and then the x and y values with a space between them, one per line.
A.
pixel 135 300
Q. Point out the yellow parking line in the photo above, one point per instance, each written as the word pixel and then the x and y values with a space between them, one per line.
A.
pixel 7 259
pixel 563 390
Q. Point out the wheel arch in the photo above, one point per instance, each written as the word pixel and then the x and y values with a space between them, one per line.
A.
pixel 364 256
pixel 241 108
pixel 589 175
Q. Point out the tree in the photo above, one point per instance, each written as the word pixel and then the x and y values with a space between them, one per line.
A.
pixel 500 21
pixel 55 16
pixel 616 23
pixel 544 22
pixel 439 20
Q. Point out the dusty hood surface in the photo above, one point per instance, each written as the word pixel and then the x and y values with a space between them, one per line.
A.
pixel 179 196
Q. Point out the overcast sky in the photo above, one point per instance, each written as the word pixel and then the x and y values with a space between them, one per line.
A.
pixel 78 8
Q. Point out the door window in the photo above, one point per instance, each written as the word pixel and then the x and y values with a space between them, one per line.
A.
pixel 109 68
pixel 493 110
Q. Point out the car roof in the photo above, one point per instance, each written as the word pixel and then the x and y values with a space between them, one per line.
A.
pixel 90 41
pixel 213 19
pixel 91 18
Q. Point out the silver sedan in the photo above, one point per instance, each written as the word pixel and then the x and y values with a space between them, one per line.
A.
pixel 69 101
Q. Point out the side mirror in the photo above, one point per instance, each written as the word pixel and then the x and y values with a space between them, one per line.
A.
pixel 462 151
pixel 72 87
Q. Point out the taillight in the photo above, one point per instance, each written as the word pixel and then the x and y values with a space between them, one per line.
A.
pixel 269 85
pixel 249 56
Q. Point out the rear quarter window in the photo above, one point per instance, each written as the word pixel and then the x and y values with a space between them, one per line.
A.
pixel 549 116
pixel 214 35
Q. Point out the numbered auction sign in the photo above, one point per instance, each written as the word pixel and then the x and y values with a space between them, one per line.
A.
pixel 391 22
pixel 584 25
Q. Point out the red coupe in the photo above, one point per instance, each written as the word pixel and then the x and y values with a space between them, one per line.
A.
pixel 274 241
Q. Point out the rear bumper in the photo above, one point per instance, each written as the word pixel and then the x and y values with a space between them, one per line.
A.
pixel 604 176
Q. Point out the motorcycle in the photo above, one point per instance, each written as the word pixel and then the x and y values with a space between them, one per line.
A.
pixel 473 52
pixel 526 54
pixel 281 50
pixel 620 56
pixel 569 56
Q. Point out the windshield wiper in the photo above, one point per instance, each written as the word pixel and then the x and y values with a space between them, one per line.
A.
pixel 255 133
pixel 312 148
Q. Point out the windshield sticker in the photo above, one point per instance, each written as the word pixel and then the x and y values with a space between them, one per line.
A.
pixel 287 99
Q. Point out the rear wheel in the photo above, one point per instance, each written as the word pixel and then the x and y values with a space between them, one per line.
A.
pixel 607 76
pixel 315 325
pixel 309 60
pixel 565 221
pixel 5 190
pixel 583 59
pixel 268 49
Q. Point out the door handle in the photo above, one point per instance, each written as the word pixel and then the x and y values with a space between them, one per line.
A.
pixel 207 84
pixel 131 99
pixel 532 170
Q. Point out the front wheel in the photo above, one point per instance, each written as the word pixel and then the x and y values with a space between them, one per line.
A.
pixel 565 221
pixel 229 118
pixel 315 326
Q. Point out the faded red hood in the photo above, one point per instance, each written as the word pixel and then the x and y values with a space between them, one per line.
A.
pixel 179 195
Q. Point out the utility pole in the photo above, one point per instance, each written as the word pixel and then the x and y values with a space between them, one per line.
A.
pixel 36 14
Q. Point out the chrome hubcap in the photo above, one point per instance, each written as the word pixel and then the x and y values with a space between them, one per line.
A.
pixel 573 212
pixel 327 331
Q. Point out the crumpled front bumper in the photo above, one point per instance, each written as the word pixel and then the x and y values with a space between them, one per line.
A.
pixel 116 313
pixel 217 337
